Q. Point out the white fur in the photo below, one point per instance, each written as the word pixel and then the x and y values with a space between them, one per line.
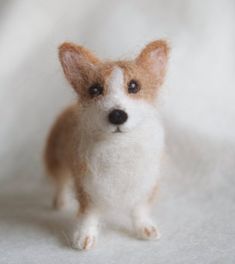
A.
pixel 86 231
pixel 123 168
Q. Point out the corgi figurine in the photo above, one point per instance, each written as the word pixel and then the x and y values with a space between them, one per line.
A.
pixel 111 141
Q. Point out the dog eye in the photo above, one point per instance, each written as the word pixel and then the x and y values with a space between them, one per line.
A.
pixel 95 90
pixel 133 87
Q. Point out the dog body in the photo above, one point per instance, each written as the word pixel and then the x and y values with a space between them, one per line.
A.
pixel 123 170
pixel 111 141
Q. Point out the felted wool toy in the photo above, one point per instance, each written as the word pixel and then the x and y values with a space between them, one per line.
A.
pixel 110 141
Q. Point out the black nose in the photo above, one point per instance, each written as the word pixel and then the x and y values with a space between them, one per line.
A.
pixel 117 117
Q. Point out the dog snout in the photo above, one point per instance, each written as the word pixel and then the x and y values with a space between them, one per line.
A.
pixel 117 117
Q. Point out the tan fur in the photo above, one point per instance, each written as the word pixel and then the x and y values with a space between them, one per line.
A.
pixel 59 154
pixel 89 242
pixel 60 138
pixel 153 195
pixel 60 157
pixel 144 59
pixel 89 76
pixel 138 69
pixel 148 85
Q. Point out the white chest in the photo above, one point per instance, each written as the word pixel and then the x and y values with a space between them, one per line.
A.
pixel 124 169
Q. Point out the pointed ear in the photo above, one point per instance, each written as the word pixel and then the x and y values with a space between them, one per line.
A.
pixel 154 58
pixel 77 63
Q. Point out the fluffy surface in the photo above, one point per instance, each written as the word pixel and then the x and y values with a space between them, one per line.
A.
pixel 196 208
pixel 115 167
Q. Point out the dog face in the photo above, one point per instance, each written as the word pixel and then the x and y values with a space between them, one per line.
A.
pixel 115 97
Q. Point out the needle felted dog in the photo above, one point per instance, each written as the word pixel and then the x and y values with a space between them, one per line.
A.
pixel 110 142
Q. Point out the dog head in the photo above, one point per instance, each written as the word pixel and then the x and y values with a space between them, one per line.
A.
pixel 115 96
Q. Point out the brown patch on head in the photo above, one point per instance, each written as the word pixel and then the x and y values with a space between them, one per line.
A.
pixel 149 69
pixel 83 69
pixel 80 67
pixel 147 85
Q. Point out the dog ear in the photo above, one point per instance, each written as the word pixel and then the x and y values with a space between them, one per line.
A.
pixel 154 58
pixel 77 63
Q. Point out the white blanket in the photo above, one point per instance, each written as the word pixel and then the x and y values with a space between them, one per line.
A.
pixel 196 211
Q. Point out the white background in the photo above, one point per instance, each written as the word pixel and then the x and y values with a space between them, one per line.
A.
pixel 196 211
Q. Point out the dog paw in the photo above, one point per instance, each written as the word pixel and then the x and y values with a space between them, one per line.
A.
pixel 84 242
pixel 148 232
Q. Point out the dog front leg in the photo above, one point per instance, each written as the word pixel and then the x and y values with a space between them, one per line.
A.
pixel 86 231
pixel 143 224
